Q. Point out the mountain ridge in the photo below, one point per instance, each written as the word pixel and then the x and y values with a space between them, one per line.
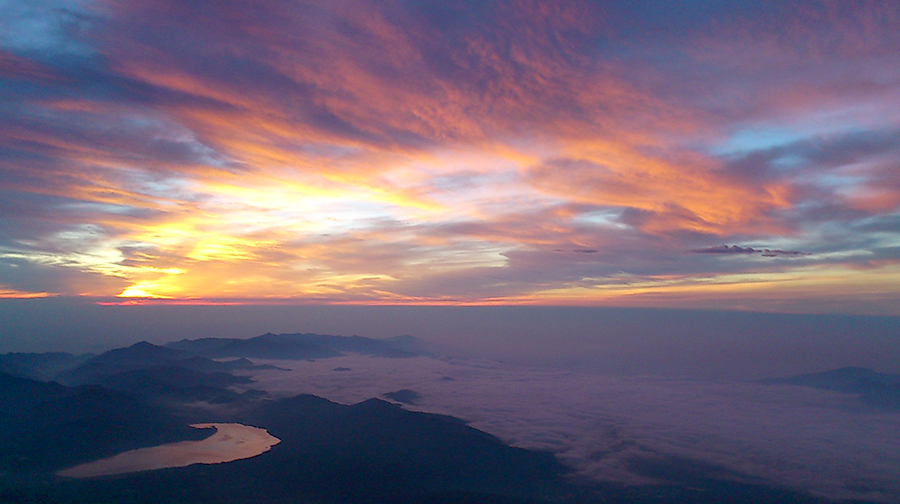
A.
pixel 300 346
pixel 881 390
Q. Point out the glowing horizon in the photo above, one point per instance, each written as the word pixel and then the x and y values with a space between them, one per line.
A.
pixel 728 156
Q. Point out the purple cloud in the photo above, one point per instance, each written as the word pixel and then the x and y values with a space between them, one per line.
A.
pixel 448 151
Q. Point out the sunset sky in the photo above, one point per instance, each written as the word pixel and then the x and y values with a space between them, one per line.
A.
pixel 724 155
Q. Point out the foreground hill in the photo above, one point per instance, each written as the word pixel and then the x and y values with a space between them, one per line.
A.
pixel 375 448
pixel 48 426
pixel 372 452
pixel 329 453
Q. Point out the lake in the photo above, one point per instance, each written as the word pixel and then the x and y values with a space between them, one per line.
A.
pixel 232 441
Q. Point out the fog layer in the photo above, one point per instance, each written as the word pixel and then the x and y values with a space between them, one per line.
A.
pixel 604 427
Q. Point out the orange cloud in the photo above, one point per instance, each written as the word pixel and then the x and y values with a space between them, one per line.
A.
pixel 686 193
pixel 530 152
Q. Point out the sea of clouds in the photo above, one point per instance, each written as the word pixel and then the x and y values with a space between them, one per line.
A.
pixel 819 441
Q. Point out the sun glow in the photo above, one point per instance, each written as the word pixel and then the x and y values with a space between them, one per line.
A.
pixel 522 162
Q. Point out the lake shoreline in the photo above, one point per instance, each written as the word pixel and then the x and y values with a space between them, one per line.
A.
pixel 230 442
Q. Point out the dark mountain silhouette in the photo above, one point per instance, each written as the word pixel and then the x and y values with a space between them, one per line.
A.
pixel 177 383
pixel 245 363
pixel 373 451
pixel 164 375
pixel 356 344
pixel 876 389
pixel 40 366
pixel 405 396
pixel 377 452
pixel 296 346
pixel 413 345
pixel 140 353
pixel 145 355
pixel 267 346
pixel 374 448
pixel 138 356
pixel 48 426
pixel 16 391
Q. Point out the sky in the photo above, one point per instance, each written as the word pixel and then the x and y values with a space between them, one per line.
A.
pixel 729 155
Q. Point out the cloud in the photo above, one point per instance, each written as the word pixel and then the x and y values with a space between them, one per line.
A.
pixel 359 151
pixel 45 28
pixel 807 439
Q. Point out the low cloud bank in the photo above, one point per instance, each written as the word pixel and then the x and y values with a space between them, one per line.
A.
pixel 824 442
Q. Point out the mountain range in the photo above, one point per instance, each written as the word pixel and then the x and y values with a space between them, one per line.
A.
pixel 876 389
pixel 373 451
pixel 301 346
